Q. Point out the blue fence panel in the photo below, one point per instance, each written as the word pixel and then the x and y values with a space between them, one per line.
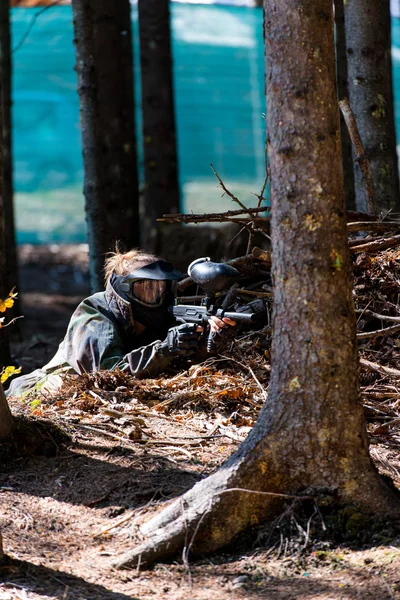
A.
pixel 219 95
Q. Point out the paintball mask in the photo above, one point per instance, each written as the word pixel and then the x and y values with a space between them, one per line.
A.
pixel 150 290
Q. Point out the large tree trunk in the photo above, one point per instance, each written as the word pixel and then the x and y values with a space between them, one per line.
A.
pixel 161 192
pixel 103 42
pixel 368 34
pixel 343 92
pixel 310 436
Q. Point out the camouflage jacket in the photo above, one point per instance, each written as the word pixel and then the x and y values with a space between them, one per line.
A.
pixel 100 335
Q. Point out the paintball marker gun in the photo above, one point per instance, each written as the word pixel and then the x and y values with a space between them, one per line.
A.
pixel 214 279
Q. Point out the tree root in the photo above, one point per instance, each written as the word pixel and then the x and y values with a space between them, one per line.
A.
pixel 202 520
pixel 216 510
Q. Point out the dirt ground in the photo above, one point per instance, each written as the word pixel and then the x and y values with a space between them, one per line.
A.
pixel 66 514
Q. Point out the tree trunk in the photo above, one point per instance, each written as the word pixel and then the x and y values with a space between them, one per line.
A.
pixel 4 344
pixel 161 193
pixel 8 190
pixel 6 418
pixel 103 42
pixel 310 436
pixel 343 92
pixel 2 556
pixel 368 36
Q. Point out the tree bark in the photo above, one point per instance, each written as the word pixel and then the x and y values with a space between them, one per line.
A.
pixel 310 436
pixel 6 418
pixel 343 92
pixel 368 34
pixel 4 344
pixel 8 188
pixel 161 192
pixel 2 556
pixel 103 42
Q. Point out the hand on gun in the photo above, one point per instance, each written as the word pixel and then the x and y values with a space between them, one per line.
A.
pixel 184 340
pixel 217 324
pixel 221 333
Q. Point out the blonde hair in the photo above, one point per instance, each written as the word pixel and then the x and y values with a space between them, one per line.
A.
pixel 123 263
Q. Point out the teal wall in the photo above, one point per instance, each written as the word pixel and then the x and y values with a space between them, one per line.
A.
pixel 219 94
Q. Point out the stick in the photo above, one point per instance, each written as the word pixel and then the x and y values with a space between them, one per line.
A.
pixel 353 215
pixel 379 368
pixel 374 315
pixel 381 244
pixel 378 332
pixel 227 213
pixel 263 255
pixel 360 154
pixel 373 226
pixel 221 183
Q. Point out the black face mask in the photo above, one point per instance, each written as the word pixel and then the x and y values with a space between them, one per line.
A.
pixel 152 317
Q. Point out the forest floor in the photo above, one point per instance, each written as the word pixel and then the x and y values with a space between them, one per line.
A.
pixel 65 515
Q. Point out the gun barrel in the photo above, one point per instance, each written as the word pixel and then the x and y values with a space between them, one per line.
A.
pixel 240 317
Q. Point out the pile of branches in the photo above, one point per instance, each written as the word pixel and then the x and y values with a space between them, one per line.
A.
pixel 229 390
pixel 375 250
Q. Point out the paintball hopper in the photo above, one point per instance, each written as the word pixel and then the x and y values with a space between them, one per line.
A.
pixel 212 277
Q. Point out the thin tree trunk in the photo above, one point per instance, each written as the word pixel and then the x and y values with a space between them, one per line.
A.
pixel 6 418
pixel 310 436
pixel 2 555
pixel 368 33
pixel 161 193
pixel 103 42
pixel 4 344
pixel 343 92
pixel 8 189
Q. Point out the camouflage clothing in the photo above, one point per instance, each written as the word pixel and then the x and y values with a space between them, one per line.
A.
pixel 100 335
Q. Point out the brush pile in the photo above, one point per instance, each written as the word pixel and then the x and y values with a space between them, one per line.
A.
pixel 221 397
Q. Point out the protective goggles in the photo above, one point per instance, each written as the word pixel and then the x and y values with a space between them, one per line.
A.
pixel 152 284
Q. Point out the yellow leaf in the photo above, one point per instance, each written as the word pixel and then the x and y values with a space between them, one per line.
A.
pixel 8 371
pixel 9 301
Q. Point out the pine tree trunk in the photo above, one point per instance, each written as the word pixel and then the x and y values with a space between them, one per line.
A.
pixel 368 34
pixel 161 193
pixel 6 418
pixel 103 42
pixel 4 344
pixel 8 189
pixel 343 92
pixel 310 436
pixel 2 556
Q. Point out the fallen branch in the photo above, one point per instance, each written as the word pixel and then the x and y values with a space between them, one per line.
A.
pixel 376 368
pixel 263 255
pixel 215 216
pixel 374 315
pixel 353 215
pixel 373 226
pixel 381 244
pixel 379 332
